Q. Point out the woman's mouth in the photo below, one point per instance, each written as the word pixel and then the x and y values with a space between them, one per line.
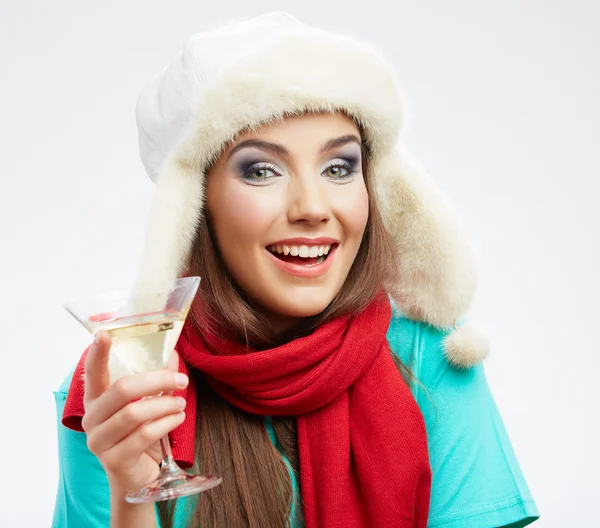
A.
pixel 308 261
pixel 306 255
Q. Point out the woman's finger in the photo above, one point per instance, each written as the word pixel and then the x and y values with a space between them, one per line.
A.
pixel 137 443
pixel 109 433
pixel 130 388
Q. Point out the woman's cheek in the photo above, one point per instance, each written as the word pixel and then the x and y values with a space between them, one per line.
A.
pixel 247 213
pixel 351 205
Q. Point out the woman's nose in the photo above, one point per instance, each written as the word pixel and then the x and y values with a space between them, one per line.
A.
pixel 308 201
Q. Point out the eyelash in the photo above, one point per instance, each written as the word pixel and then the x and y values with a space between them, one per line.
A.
pixel 257 166
pixel 344 164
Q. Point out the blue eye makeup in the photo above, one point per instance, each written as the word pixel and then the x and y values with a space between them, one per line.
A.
pixel 255 172
pixel 341 169
pixel 258 172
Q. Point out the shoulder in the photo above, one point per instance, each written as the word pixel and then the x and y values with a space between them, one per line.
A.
pixel 466 435
pixel 83 495
pixel 63 389
pixel 418 345
pixel 422 348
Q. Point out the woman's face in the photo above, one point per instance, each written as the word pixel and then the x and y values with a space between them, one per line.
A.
pixel 289 208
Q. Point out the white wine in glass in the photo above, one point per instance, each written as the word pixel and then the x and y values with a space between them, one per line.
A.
pixel 144 330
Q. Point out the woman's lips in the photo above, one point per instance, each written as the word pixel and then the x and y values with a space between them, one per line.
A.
pixel 308 270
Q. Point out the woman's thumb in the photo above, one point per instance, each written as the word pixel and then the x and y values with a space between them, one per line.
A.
pixel 96 373
pixel 173 364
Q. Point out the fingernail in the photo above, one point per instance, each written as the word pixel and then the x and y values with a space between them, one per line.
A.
pixel 180 402
pixel 97 337
pixel 181 380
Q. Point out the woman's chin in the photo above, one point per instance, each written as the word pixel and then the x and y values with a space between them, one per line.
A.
pixel 299 306
pixel 304 311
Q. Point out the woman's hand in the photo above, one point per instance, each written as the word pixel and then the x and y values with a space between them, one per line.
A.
pixel 124 434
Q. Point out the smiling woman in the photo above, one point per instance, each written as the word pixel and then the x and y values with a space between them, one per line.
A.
pixel 297 185
pixel 334 276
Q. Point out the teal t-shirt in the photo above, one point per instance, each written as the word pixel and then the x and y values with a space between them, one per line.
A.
pixel 477 481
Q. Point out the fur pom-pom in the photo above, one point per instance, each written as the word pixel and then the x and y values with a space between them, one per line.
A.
pixel 466 346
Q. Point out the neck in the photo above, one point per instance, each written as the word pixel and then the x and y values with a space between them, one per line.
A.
pixel 286 328
pixel 282 324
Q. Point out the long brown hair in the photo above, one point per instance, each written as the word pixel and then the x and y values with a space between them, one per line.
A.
pixel 256 490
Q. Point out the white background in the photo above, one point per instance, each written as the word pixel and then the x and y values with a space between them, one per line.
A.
pixel 506 116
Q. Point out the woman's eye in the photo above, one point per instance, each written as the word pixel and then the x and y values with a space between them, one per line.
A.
pixel 336 171
pixel 340 170
pixel 260 173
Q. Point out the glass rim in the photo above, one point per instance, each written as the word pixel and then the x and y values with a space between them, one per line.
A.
pixel 126 292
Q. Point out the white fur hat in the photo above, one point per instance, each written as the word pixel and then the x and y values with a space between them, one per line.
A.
pixel 251 72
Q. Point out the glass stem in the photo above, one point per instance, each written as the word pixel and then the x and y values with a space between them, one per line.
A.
pixel 168 464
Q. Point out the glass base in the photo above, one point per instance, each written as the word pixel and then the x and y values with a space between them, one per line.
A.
pixel 171 484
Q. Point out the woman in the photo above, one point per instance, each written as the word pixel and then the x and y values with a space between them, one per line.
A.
pixel 333 277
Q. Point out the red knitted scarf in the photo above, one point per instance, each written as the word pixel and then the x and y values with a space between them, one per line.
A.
pixel 361 437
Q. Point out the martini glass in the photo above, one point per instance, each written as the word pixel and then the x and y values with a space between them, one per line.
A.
pixel 144 329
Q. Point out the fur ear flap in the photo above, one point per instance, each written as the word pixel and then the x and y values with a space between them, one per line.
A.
pixel 175 214
pixel 437 266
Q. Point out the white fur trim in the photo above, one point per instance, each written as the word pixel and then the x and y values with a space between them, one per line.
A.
pixel 175 214
pixel 302 71
pixel 437 267
pixel 466 346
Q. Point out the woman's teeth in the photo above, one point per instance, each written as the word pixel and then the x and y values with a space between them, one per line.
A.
pixel 301 251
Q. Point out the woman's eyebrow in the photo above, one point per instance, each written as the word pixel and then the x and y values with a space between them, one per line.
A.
pixel 338 142
pixel 280 150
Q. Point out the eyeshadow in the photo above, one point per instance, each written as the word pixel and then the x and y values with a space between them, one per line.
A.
pixel 246 160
